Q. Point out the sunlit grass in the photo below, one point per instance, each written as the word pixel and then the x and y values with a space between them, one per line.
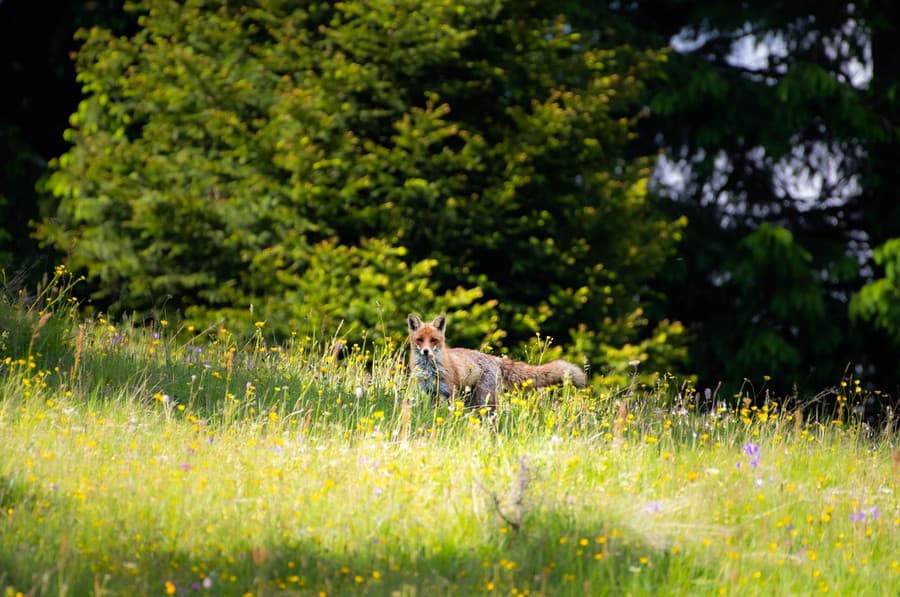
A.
pixel 158 461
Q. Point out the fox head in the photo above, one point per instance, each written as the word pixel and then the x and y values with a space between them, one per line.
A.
pixel 426 338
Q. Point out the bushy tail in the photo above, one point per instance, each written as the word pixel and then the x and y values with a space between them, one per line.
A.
pixel 554 372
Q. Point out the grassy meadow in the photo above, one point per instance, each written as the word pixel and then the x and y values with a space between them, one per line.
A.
pixel 155 460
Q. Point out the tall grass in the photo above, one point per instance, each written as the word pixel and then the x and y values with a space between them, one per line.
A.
pixel 153 460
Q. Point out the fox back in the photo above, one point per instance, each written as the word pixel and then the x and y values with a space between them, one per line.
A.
pixel 444 372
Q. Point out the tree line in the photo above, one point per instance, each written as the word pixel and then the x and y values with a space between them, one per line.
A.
pixel 707 191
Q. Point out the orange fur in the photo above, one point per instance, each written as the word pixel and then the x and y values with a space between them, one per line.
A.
pixel 447 372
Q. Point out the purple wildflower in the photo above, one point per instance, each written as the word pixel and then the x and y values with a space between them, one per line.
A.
pixel 857 516
pixel 752 450
pixel 652 508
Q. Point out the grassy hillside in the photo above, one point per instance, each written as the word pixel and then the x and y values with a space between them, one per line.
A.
pixel 150 460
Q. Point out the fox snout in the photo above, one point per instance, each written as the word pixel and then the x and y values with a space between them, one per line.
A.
pixel 428 351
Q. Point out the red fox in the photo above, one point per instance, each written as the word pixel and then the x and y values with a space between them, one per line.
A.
pixel 448 372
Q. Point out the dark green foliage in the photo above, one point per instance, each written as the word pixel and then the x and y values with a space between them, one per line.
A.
pixel 17 168
pixel 294 161
pixel 39 94
pixel 771 258
pixel 879 301
pixel 777 306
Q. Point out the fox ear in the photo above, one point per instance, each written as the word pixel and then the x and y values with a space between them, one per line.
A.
pixel 440 322
pixel 413 321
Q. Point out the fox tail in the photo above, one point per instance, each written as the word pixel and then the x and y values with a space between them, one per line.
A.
pixel 554 372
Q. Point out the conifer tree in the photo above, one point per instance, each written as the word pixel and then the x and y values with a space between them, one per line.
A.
pixel 357 160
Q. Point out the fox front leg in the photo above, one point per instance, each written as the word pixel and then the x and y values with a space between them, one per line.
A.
pixel 485 393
